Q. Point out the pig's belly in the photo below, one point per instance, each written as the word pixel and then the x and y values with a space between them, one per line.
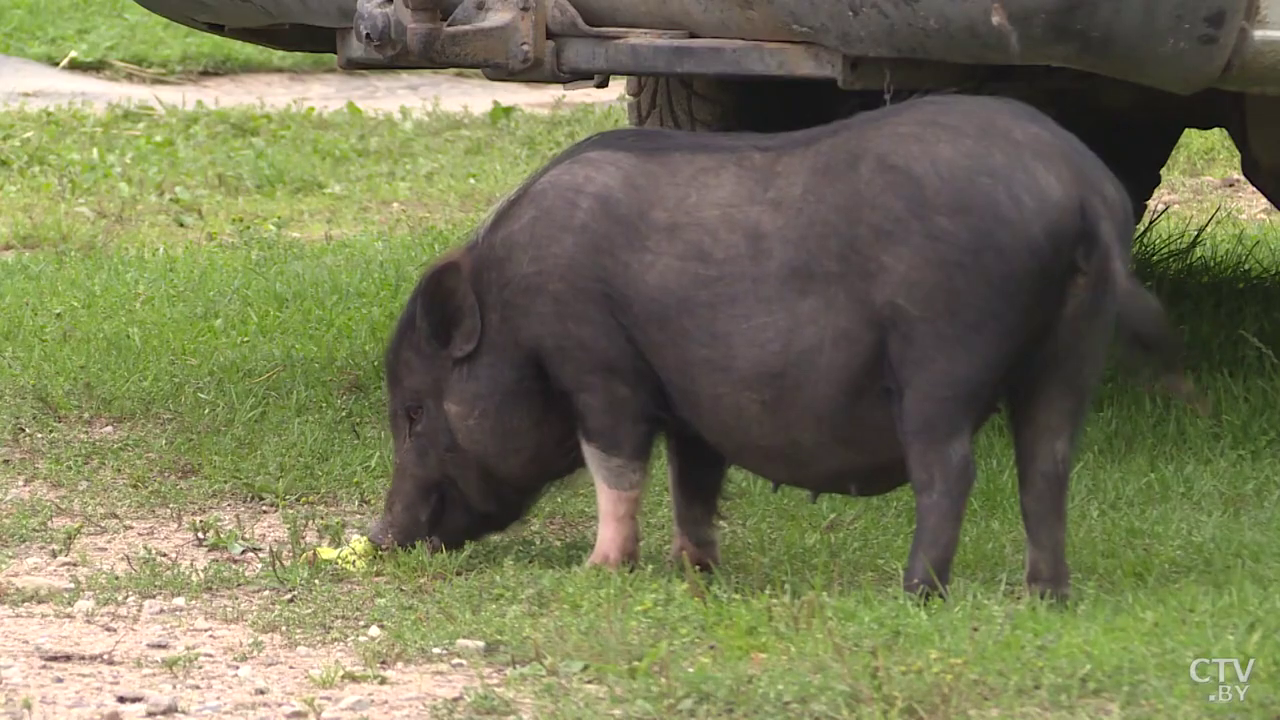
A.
pixel 845 445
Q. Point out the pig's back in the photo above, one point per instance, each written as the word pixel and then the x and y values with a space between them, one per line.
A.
pixel 862 207
pixel 944 157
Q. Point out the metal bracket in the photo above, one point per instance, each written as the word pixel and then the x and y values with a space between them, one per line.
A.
pixel 598 82
pixel 548 41
pixel 507 35
pixel 709 56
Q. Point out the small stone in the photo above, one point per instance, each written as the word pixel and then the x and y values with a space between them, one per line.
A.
pixel 438 651
pixel 152 607
pixel 261 689
pixel 55 653
pixel 296 711
pixel 161 705
pixel 157 643
pixel 302 650
pixel 128 697
pixel 83 607
pixel 179 602
pixel 457 663
pixel 331 715
pixel 374 631
pixel 208 709
pixel 112 714
pixel 201 627
pixel 353 703
pixel 470 645
pixel 39 585
pixel 244 671
pixel 63 561
pixel 57 679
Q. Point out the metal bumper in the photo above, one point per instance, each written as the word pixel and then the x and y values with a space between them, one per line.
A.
pixel 1180 46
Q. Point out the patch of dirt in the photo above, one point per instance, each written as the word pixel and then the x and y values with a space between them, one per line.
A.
pixel 8 250
pixel 108 546
pixel 169 657
pixel 25 82
pixel 1236 195
pixel 167 660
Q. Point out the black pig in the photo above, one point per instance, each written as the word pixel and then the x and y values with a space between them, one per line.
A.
pixel 838 309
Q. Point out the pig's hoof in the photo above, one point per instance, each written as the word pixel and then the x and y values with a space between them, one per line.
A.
pixel 1055 593
pixel 925 590
pixel 614 559
pixel 704 559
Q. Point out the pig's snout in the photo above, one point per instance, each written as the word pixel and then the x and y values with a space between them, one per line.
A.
pixel 381 536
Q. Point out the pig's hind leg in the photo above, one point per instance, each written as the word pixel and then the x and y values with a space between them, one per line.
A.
pixel 943 384
pixel 1048 406
pixel 697 478
pixel 937 437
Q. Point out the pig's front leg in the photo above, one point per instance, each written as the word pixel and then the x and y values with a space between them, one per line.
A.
pixel 619 484
pixel 697 477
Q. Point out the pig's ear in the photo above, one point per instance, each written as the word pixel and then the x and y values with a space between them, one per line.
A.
pixel 448 311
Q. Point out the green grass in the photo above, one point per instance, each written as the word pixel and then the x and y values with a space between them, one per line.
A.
pixel 103 33
pixel 1202 153
pixel 218 286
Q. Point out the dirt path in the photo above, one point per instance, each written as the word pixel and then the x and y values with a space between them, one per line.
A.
pixel 157 659
pixel 24 82
pixel 170 657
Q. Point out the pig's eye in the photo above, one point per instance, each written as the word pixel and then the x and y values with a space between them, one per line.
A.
pixel 413 414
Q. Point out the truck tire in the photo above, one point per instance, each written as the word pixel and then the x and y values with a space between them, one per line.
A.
pixel 680 103
pixel 703 104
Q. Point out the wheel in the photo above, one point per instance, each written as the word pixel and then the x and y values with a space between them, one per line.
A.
pixel 679 103
pixel 704 104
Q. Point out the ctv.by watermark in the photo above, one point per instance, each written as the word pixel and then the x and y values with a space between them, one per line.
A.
pixel 1224 692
